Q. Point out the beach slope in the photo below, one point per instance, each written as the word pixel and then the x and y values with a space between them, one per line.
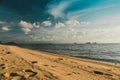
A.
pixel 24 64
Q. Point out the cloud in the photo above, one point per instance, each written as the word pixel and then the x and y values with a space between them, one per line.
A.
pixel 57 10
pixel 73 23
pixel 5 26
pixel 27 27
pixel 49 31
pixel 2 22
pixel 26 24
pixel 70 30
pixel 46 23
pixel 67 9
pixel 70 23
pixel 59 25
pixel 5 29
pixel 36 25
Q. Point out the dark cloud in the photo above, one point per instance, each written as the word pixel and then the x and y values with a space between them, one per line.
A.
pixel 1 1
pixel 24 6
pixel 29 10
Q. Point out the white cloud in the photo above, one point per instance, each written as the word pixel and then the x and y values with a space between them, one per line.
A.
pixel 5 29
pixel 5 26
pixel 25 24
pixel 46 23
pixel 8 24
pixel 78 23
pixel 2 22
pixel 73 23
pixel 36 25
pixel 57 10
pixel 70 30
pixel 27 27
pixel 59 25
pixel 26 30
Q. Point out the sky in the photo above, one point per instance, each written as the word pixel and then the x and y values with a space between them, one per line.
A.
pixel 60 21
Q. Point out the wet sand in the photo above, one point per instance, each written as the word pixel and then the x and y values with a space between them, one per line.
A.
pixel 24 64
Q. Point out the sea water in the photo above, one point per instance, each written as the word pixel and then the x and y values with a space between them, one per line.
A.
pixel 103 52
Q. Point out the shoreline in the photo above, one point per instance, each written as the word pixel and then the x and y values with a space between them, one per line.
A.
pixel 113 62
pixel 87 59
pixel 107 61
pixel 93 60
pixel 18 63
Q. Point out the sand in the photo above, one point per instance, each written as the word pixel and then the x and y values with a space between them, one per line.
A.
pixel 23 64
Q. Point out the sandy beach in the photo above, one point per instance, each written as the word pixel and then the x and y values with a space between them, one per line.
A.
pixel 24 64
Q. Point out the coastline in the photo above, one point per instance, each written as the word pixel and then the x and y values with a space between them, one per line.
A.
pixel 96 53
pixel 37 65
pixel 107 61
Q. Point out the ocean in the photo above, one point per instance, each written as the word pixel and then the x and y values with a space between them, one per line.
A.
pixel 101 52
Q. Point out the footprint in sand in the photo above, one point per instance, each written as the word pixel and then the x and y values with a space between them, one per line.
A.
pixel 76 72
pixel 101 73
pixel 4 60
pixel 30 72
pixel 98 72
pixel 108 74
pixel 33 62
pixel 19 78
pixel 53 66
pixel 73 73
pixel 1 75
pixel 69 74
pixel 45 65
pixel 58 59
pixel 15 76
pixel 8 52
pixel 22 78
pixel 12 74
pixel 2 66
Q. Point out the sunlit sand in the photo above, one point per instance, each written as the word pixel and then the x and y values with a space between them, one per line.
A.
pixel 23 64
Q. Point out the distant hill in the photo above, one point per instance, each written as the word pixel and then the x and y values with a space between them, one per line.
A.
pixel 0 42
pixel 11 43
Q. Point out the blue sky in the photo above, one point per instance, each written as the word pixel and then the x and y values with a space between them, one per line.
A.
pixel 60 21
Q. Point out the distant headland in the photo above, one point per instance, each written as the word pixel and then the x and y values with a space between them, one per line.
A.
pixel 9 43
pixel 91 43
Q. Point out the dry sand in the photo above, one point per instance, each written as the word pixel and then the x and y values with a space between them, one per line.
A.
pixel 23 64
